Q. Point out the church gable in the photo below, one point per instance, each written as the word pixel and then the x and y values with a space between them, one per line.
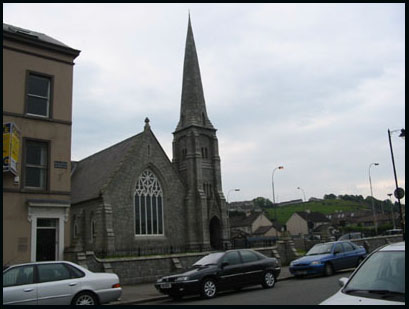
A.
pixel 147 198
pixel 91 174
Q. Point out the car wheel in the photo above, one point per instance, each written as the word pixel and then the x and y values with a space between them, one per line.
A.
pixel 268 280
pixel 208 288
pixel 85 298
pixel 328 270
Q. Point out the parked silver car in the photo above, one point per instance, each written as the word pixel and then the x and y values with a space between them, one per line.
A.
pixel 58 283
pixel 379 280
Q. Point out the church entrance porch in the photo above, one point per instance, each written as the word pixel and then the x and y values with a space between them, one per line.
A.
pixel 215 231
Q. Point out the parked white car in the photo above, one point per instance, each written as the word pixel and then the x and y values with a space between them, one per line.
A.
pixel 58 283
pixel 379 280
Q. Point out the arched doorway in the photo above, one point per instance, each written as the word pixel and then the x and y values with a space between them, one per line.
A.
pixel 215 229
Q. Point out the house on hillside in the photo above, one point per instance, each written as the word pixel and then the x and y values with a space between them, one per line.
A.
pixel 254 224
pixel 302 223
pixel 362 218
pixel 341 218
pixel 243 206
pixel 292 202
pixel 368 220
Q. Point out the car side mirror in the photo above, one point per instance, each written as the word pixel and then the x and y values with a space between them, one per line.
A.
pixel 342 281
pixel 224 264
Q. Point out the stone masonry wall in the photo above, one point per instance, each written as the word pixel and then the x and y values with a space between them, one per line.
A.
pixel 144 269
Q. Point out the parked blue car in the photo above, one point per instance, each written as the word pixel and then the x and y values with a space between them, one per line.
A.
pixel 326 258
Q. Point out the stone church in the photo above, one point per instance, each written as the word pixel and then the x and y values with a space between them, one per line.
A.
pixel 131 197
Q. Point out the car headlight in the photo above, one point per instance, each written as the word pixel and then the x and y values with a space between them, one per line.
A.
pixel 292 263
pixel 182 279
pixel 316 263
pixel 160 280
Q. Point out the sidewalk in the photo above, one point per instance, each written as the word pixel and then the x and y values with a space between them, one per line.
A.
pixel 144 292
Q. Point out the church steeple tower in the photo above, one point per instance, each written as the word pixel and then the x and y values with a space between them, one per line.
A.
pixel 196 158
pixel 193 107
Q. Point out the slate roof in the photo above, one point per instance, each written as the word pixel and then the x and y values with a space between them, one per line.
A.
pixel 313 216
pixel 262 230
pixel 36 38
pixel 242 220
pixel 193 107
pixel 91 174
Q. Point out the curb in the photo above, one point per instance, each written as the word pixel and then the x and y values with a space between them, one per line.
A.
pixel 153 298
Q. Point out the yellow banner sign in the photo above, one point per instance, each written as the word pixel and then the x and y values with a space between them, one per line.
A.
pixel 11 147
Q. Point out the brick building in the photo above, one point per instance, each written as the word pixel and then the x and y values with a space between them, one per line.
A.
pixel 131 196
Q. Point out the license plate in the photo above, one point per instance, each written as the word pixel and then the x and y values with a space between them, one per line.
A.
pixel 301 272
pixel 165 285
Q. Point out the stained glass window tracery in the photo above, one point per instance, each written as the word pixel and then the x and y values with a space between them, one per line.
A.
pixel 148 205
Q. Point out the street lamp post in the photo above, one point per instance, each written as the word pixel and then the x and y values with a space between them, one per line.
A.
pixel 303 192
pixel 398 194
pixel 229 193
pixel 393 213
pixel 373 207
pixel 274 198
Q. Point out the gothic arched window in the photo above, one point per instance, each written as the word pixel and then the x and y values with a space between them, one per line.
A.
pixel 148 205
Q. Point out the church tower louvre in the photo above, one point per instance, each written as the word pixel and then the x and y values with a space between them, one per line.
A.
pixel 196 157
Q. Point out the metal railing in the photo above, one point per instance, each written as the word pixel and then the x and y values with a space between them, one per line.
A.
pixel 168 250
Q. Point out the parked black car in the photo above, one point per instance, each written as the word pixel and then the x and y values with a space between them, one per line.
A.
pixel 218 271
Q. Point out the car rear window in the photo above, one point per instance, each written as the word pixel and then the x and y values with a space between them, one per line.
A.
pixel 248 256
pixel 75 272
pixel 52 272
pixel 347 246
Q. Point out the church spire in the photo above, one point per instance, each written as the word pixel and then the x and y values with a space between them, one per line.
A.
pixel 193 106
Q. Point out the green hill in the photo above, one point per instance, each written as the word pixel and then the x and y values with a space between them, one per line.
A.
pixel 325 207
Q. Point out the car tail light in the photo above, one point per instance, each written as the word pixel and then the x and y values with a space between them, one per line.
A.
pixel 116 285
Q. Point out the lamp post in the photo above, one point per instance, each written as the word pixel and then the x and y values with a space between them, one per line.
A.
pixel 303 192
pixel 229 193
pixel 274 198
pixel 373 207
pixel 393 213
pixel 399 192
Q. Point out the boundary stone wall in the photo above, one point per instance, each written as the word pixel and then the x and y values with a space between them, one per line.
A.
pixel 135 270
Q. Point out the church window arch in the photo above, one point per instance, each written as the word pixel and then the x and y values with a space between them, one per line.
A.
pixel 148 205
pixel 92 225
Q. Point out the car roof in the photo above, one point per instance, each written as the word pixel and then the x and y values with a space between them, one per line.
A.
pixel 335 242
pixel 398 246
pixel 42 262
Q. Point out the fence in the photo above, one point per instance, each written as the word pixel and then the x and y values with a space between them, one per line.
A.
pixel 251 242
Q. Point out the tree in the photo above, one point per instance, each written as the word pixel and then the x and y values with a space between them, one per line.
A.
pixel 330 196
pixel 262 202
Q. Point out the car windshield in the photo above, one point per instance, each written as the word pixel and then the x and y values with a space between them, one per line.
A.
pixel 381 276
pixel 320 249
pixel 212 258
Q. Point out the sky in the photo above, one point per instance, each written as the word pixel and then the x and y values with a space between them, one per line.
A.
pixel 310 87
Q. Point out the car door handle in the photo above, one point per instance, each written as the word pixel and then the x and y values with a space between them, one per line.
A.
pixel 73 284
pixel 28 290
